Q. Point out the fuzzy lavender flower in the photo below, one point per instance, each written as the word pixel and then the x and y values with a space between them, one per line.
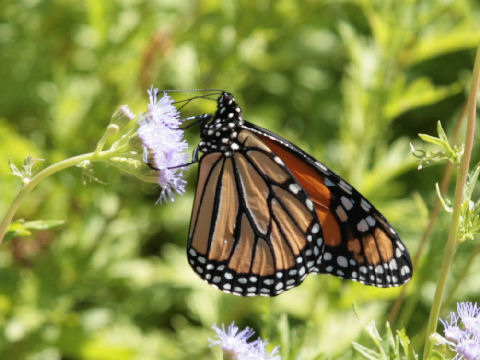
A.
pixel 258 350
pixel 235 346
pixel 462 331
pixel 470 315
pixel 164 146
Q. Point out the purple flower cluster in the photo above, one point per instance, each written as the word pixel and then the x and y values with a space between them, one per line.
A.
pixel 164 146
pixel 235 346
pixel 462 331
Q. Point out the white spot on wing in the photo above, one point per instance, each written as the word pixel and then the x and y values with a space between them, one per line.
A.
pixel 362 226
pixel 365 206
pixel 342 261
pixel 327 182
pixel 370 220
pixel 309 204
pixel 346 202
pixel 295 188
pixel 228 276
pixel 322 167
pixel 393 264
pixel 345 187
pixel 301 271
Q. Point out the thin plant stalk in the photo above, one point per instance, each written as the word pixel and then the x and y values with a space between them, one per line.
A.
pixel 444 184
pixel 452 240
pixel 36 179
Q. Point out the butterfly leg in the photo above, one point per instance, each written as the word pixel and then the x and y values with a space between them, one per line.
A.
pixel 194 161
pixel 196 119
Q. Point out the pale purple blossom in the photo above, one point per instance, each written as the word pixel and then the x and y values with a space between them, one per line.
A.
pixel 164 146
pixel 470 315
pixel 235 346
pixel 462 331
pixel 468 348
pixel 258 350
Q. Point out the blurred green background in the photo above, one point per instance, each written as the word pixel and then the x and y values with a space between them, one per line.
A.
pixel 351 82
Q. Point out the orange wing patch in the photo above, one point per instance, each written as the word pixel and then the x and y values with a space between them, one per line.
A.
pixel 384 243
pixel 242 257
pixel 228 203
pixel 200 227
pixel 315 187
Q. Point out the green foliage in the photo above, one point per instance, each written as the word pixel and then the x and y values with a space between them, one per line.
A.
pixel 389 348
pixel 470 211
pixel 446 152
pixel 351 82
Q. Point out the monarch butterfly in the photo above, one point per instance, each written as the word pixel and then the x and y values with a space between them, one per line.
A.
pixel 266 214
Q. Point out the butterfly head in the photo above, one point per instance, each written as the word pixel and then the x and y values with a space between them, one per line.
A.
pixel 220 132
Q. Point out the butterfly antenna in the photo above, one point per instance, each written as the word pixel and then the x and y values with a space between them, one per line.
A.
pixel 206 96
pixel 197 119
pixel 191 90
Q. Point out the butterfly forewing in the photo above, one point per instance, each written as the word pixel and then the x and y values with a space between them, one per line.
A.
pixel 254 230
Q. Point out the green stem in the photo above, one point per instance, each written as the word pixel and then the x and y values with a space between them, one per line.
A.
pixel 52 169
pixel 444 184
pixel 458 199
pixel 111 129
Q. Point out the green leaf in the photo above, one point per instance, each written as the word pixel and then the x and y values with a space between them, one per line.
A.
pixel 16 229
pixel 432 140
pixel 366 352
pixel 459 38
pixel 421 92
pixel 20 228
pixel 471 182
pixel 43 224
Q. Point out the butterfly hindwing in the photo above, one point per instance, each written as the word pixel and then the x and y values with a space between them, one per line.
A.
pixel 359 242
pixel 254 230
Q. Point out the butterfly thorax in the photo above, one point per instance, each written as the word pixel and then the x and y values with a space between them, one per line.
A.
pixel 220 132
